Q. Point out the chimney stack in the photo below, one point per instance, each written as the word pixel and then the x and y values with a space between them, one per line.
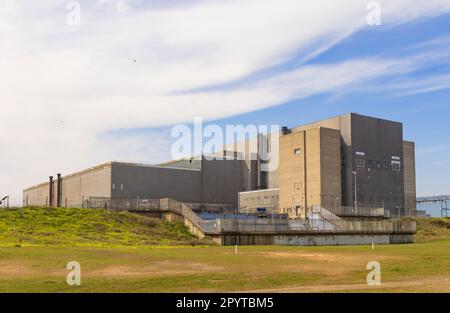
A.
pixel 50 192
pixel 59 191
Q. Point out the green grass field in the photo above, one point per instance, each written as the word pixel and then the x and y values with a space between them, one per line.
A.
pixel 33 258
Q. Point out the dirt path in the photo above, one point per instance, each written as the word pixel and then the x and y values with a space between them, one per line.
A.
pixel 440 284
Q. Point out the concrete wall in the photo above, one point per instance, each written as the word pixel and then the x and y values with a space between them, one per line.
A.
pixel 221 181
pixel 189 163
pixel 409 166
pixel 291 174
pixel 343 124
pixel 218 182
pixel 311 240
pixel 253 177
pixel 330 168
pixel 37 195
pixel 152 182
pixel 379 140
pixel 309 171
pixel 382 143
pixel 92 182
pixel 249 201
pixel 173 217
pixel 331 240
pixel 246 150
pixel 313 187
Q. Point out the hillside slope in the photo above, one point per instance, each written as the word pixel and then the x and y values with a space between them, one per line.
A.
pixel 429 229
pixel 90 227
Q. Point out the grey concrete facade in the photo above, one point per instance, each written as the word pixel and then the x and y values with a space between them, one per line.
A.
pixel 311 239
pixel 221 181
pixel 216 182
pixel 250 201
pixel 409 177
pixel 373 148
pixel 370 146
pixel 153 182
pixel 76 188
pixel 380 182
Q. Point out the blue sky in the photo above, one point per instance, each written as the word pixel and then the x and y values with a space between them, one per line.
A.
pixel 113 84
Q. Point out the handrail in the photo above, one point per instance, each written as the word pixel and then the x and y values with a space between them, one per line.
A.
pixel 359 211
pixel 183 210
pixel 313 226
pixel 328 222
pixel 328 216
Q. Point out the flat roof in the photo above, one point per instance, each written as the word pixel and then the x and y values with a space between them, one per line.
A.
pixel 259 190
pixel 109 164
pixel 340 116
pixel 155 166
pixel 90 169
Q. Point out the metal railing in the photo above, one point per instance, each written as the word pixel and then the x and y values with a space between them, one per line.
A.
pixel 319 221
pixel 146 205
pixel 350 211
pixel 181 209
pixel 309 226
pixel 319 213
pixel 121 203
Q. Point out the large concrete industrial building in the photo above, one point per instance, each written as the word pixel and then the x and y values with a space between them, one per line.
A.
pixel 348 161
pixel 196 182
pixel 345 161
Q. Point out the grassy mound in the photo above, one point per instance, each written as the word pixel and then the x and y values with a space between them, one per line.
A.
pixel 429 229
pixel 88 227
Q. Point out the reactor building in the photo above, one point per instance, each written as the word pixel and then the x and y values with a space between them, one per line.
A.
pixel 345 164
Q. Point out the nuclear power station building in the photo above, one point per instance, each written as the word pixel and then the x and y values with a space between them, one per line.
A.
pixel 350 165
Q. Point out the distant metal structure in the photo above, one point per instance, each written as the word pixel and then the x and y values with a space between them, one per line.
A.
pixel 443 200
pixel 7 201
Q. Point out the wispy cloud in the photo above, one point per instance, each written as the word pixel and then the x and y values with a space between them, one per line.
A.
pixel 433 149
pixel 422 85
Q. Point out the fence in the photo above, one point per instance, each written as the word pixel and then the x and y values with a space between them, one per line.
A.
pixel 319 221
pixel 180 209
pixel 350 211
pixel 318 213
pixel 146 205
pixel 259 226
pixel 121 204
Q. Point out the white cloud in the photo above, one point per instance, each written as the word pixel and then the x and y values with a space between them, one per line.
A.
pixel 433 150
pixel 63 87
pixel 422 85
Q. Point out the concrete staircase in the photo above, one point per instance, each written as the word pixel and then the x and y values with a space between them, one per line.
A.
pixel 319 213
pixel 175 210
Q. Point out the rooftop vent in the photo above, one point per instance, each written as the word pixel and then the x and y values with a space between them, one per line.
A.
pixel 285 130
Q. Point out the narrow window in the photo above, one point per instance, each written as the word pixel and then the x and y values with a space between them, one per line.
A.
pixel 396 166
pixel 360 162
